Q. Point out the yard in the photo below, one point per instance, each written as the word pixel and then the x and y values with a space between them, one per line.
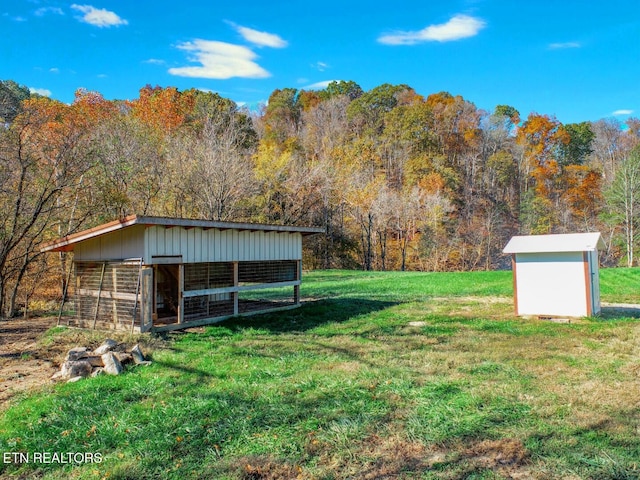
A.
pixel 379 375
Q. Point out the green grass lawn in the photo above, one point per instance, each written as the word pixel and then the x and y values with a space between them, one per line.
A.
pixel 379 375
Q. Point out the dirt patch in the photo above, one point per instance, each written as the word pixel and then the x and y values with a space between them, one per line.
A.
pixel 28 357
pixel 507 456
pixel 266 469
pixel 24 363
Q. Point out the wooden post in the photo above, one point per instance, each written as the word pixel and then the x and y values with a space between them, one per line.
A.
pixel 64 295
pixel 79 300
pixel 138 299
pixel 95 315
pixel 236 308
pixel 296 288
pixel 147 299
pixel 114 301
pixel 180 293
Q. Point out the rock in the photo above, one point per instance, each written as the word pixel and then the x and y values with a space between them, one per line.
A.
pixel 74 379
pixel 57 376
pixel 77 353
pixel 97 371
pixel 78 368
pixel 107 346
pixel 136 352
pixel 112 365
pixel 94 360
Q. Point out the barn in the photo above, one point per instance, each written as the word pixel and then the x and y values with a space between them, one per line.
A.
pixel 556 275
pixel 145 273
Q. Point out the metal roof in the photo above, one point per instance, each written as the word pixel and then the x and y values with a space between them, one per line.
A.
pixel 67 243
pixel 567 242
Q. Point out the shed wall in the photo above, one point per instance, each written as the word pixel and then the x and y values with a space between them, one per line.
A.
pixel 198 245
pixel 551 284
pixel 119 245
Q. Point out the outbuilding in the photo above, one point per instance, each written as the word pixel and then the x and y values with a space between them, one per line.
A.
pixel 556 275
pixel 145 273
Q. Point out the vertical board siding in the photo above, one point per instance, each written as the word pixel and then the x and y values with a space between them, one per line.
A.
pixel 119 245
pixel 213 245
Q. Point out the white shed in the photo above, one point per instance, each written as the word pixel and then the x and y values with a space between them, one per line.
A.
pixel 155 273
pixel 556 275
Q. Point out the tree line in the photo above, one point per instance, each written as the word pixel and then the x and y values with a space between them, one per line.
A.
pixel 398 180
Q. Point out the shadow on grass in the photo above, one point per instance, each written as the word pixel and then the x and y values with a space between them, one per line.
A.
pixel 310 315
pixel 615 312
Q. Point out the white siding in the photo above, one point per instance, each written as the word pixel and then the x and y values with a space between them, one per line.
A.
pixel 551 284
pixel 118 245
pixel 214 245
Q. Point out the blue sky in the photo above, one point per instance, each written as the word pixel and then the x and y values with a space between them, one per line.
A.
pixel 575 59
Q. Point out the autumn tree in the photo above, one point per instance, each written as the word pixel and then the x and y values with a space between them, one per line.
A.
pixel 163 109
pixel 367 111
pixel 350 89
pixel 282 115
pixel 128 167
pixel 218 174
pixel 41 162
pixel 324 135
pixel 623 203
pixel 541 138
pixel 608 147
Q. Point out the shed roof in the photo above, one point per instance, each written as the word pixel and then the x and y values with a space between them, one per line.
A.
pixel 567 242
pixel 67 243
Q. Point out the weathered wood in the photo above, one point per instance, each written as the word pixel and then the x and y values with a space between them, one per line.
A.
pixel 236 307
pixel 106 294
pixel 243 288
pixel 64 295
pixel 95 317
pixel 135 308
pixel 181 293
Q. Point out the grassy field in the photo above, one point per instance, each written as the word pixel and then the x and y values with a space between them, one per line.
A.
pixel 378 376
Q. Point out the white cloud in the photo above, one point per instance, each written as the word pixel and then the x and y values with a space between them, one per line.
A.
pixel 154 61
pixel 99 17
pixel 40 91
pixel 261 39
pixel 219 60
pixel 622 112
pixel 46 10
pixel 54 70
pixel 319 85
pixel 560 46
pixel 459 27
pixel 320 66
